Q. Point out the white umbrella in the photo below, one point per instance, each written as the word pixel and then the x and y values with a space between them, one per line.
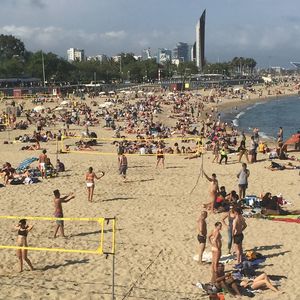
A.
pixel 106 104
pixel 123 92
pixel 60 108
pixel 39 108
pixel 111 92
pixel 128 92
pixel 65 102
pixel 140 92
pixel 150 94
pixel 102 93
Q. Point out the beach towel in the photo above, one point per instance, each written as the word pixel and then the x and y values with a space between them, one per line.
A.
pixel 287 220
pixel 285 217
pixel 207 257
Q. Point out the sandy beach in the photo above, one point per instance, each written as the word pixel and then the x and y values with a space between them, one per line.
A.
pixel 156 224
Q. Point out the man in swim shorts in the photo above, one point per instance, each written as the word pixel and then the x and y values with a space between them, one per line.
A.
pixel 42 160
pixel 58 213
pixel 202 233
pixel 238 226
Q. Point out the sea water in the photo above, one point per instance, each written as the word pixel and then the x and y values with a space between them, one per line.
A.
pixel 269 116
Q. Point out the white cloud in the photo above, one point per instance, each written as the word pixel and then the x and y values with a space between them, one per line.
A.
pixel 114 34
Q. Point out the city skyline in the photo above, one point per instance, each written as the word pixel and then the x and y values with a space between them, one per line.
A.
pixel 266 30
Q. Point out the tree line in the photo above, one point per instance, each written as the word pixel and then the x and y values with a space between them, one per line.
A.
pixel 16 61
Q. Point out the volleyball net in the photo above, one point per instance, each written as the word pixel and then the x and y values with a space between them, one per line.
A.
pixel 131 146
pixel 103 230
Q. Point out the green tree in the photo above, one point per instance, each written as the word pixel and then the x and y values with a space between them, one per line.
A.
pixel 11 47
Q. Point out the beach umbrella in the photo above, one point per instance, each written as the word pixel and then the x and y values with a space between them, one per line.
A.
pixel 26 163
pixel 150 93
pixel 128 92
pixel 39 108
pixel 123 92
pixel 141 92
pixel 102 93
pixel 111 92
pixel 295 138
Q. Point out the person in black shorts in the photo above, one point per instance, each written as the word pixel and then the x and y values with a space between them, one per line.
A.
pixel 202 233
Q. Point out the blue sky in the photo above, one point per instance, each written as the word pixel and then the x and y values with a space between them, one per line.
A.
pixel 267 30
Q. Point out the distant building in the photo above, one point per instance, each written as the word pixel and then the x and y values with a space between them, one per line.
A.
pixel 296 64
pixel 75 54
pixel 200 42
pixel 182 52
pixel 98 57
pixel 164 55
pixel 193 52
pixel 137 57
pixel 146 54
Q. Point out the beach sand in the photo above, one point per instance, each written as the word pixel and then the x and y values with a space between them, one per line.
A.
pixel 156 228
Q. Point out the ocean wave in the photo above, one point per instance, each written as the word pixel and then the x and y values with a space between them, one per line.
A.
pixel 240 114
pixel 235 123
pixel 265 136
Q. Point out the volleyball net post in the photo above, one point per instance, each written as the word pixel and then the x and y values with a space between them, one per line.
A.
pixel 99 251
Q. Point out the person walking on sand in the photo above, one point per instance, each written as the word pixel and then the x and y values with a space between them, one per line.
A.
pixel 238 226
pixel 58 212
pixel 123 166
pixel 213 190
pixel 202 233
pixel 215 239
pixel 216 151
pixel 243 151
pixel 160 156
pixel 23 230
pixel 243 176
pixel 42 161
pixel 224 155
pixel 90 182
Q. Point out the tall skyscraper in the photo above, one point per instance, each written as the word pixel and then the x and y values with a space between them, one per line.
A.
pixel 200 42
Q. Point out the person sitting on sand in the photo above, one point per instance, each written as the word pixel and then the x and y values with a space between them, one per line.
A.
pixel 226 281
pixel 8 172
pixel 60 167
pixel 259 282
pixel 23 230
pixel 90 182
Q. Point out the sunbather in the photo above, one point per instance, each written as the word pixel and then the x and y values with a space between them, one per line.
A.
pixel 261 281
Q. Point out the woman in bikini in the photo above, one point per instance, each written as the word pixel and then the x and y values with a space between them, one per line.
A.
pixel 90 182
pixel 160 156
pixel 23 230
pixel 215 239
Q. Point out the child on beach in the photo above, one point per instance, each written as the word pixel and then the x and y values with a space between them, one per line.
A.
pixel 23 230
